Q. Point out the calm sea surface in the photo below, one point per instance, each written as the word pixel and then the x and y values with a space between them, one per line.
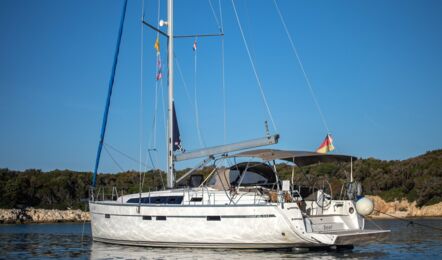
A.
pixel 66 241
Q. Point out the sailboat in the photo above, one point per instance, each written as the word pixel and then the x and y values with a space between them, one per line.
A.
pixel 241 205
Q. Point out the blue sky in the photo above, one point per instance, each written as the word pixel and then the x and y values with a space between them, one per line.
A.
pixel 376 68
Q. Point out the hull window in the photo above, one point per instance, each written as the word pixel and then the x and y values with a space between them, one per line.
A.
pixel 158 200
pixel 213 218
pixel 161 217
pixel 107 215
pixel 197 199
pixel 147 218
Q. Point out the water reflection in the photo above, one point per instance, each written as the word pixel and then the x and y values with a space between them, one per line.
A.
pixel 68 241
pixel 106 251
pixel 43 241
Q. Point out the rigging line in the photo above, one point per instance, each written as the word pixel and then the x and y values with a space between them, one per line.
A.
pixel 221 16
pixel 153 162
pixel 410 222
pixel 223 76
pixel 153 138
pixel 124 154
pixel 186 89
pixel 195 106
pixel 374 223
pixel 141 95
pixel 247 27
pixel 301 66
pixel 163 107
pixel 158 61
pixel 164 115
pixel 154 121
pixel 198 129
pixel 214 16
pixel 254 68
pixel 113 159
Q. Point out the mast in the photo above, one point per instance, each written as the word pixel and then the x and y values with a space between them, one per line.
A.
pixel 109 95
pixel 170 162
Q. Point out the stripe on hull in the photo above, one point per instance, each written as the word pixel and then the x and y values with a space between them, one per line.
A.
pixel 199 245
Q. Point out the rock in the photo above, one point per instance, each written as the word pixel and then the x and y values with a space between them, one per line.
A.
pixel 403 209
pixel 31 215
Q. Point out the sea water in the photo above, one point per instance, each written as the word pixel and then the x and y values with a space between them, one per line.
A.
pixel 74 241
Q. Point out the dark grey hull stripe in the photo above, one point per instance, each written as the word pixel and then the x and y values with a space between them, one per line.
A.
pixel 181 205
pixel 199 245
pixel 177 216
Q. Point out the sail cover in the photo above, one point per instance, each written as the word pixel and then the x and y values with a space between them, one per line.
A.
pixel 176 132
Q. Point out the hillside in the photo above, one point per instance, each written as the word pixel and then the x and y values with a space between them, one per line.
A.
pixel 417 179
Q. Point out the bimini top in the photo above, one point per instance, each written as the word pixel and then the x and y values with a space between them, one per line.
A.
pixel 300 158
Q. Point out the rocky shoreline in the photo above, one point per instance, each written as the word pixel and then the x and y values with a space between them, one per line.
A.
pixel 403 209
pixel 398 209
pixel 31 215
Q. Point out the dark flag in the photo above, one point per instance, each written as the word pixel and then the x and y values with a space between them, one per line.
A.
pixel 176 133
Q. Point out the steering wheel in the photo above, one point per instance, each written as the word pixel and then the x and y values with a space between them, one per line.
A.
pixel 324 197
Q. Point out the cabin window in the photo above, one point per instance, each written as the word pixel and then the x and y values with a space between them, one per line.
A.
pixel 196 199
pixel 253 178
pixel 147 218
pixel 107 215
pixel 161 218
pixel 234 176
pixel 213 218
pixel 174 200
pixel 158 200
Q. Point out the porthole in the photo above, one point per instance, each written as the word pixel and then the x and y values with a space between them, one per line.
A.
pixel 351 210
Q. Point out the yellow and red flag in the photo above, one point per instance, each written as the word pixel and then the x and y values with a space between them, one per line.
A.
pixel 157 45
pixel 327 145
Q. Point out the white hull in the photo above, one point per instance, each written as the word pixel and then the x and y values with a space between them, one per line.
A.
pixel 187 226
pixel 239 226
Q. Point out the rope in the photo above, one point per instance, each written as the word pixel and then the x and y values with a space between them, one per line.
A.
pixel 141 95
pixel 195 99
pixel 154 126
pixel 374 223
pixel 164 116
pixel 223 76
pixel 113 159
pixel 254 68
pixel 153 138
pixel 82 230
pixel 410 222
pixel 302 67
pixel 124 154
pixel 214 15
pixel 220 25
pixel 195 105
pixel 158 84
pixel 180 72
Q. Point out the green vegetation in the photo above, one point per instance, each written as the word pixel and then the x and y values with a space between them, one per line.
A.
pixel 417 179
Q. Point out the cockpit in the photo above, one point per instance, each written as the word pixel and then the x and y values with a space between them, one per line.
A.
pixel 245 174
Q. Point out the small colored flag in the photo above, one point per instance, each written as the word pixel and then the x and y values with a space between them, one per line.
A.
pixel 157 44
pixel 194 45
pixel 159 75
pixel 159 69
pixel 327 145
